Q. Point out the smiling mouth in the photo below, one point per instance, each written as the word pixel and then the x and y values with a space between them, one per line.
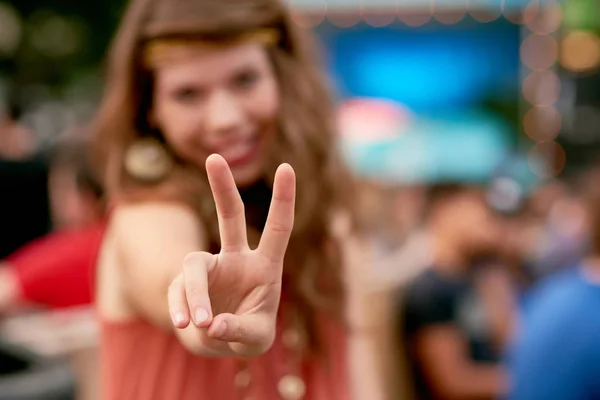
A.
pixel 241 152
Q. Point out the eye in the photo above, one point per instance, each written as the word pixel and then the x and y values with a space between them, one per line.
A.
pixel 246 80
pixel 187 94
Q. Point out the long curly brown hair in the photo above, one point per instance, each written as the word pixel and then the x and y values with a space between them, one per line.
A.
pixel 305 139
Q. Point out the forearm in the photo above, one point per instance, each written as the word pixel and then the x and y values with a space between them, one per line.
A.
pixel 10 292
pixel 367 377
pixel 475 382
pixel 503 333
pixel 373 346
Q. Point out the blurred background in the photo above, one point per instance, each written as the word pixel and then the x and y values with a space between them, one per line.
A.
pixel 435 98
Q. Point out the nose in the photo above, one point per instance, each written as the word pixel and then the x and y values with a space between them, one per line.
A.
pixel 224 114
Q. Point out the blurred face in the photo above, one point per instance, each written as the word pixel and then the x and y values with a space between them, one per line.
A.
pixel 476 226
pixel 70 206
pixel 223 101
pixel 520 236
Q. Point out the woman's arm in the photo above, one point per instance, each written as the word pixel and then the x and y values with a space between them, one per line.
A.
pixel 151 243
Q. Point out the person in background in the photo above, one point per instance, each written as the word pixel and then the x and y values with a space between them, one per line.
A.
pixel 16 141
pixel 56 270
pixel 216 279
pixel 24 209
pixel 557 352
pixel 447 321
pixel 76 194
pixel 561 241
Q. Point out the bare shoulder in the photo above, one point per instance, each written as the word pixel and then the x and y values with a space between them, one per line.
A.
pixel 141 216
pixel 145 247
pixel 155 231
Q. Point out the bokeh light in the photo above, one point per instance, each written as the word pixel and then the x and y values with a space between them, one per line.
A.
pixel 541 88
pixel 484 10
pixel 539 52
pixel 450 17
pixel 10 29
pixel 55 35
pixel 580 51
pixel 344 19
pixel 449 11
pixel 553 159
pixel 542 123
pixel 308 16
pixel 521 15
pixel 380 18
pixel 547 19
pixel 415 18
pixel 344 13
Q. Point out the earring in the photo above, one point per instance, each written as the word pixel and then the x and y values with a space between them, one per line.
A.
pixel 148 160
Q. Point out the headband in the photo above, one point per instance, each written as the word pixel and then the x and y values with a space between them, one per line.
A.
pixel 158 51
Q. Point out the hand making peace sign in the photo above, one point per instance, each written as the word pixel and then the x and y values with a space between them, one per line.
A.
pixel 232 297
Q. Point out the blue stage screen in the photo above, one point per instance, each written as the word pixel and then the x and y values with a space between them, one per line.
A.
pixel 426 68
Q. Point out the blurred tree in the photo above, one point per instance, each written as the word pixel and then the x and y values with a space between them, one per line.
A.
pixel 51 58
pixel 508 109
pixel 60 39
pixel 582 14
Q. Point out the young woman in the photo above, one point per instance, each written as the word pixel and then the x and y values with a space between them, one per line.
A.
pixel 219 95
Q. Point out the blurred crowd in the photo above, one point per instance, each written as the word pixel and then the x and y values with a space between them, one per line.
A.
pixel 489 289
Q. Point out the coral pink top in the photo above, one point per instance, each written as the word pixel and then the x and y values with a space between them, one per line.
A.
pixel 142 362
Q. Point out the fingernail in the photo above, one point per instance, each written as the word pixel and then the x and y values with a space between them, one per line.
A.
pixel 222 329
pixel 200 316
pixel 178 318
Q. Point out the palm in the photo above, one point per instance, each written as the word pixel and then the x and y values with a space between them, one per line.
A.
pixel 239 286
pixel 235 278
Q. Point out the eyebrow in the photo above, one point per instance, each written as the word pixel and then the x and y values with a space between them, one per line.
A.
pixel 246 67
pixel 192 80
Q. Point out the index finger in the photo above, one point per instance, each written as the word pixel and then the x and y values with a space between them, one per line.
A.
pixel 230 209
pixel 280 220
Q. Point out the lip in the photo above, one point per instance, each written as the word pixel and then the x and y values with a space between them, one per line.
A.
pixel 245 158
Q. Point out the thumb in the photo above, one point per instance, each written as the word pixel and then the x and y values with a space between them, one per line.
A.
pixel 248 335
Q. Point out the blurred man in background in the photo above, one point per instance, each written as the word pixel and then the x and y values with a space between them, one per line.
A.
pixel 561 241
pixel 24 208
pixel 56 270
pixel 451 311
pixel 16 142
pixel 557 354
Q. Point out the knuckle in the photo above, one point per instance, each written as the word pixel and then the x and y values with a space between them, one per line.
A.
pixel 195 260
pixel 195 293
pixel 280 227
pixel 239 332
pixel 234 211
pixel 283 198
